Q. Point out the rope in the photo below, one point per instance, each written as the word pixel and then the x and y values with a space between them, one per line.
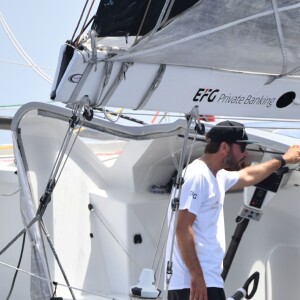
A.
pixel 68 154
pixel 158 23
pixel 142 22
pixel 154 118
pixel 123 116
pixel 107 227
pixel 13 193
pixel 177 190
pixel 56 283
pixel 19 263
pixel 165 220
pixel 167 13
pixel 85 21
pixel 56 257
pixel 280 36
pixel 22 52
pixel 106 114
pixel 67 136
pixel 80 18
pixel 6 147
pixel 23 65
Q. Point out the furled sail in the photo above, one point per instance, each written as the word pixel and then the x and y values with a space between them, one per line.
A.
pixel 236 58
pixel 249 36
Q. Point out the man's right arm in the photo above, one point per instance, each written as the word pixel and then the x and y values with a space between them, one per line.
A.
pixel 186 244
pixel 256 173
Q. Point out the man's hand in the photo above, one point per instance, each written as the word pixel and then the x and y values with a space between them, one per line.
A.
pixel 198 288
pixel 292 155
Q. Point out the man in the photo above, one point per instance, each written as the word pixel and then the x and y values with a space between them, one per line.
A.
pixel 200 237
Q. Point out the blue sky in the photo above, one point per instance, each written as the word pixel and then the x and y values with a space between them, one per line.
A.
pixel 40 27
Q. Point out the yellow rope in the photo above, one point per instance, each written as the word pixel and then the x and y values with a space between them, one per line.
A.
pixel 6 147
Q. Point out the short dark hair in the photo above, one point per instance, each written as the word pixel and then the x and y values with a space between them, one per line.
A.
pixel 212 147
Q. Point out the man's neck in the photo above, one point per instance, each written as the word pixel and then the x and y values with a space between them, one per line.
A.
pixel 213 162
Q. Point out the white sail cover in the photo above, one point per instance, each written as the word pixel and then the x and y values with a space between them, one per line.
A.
pixel 245 36
pixel 230 58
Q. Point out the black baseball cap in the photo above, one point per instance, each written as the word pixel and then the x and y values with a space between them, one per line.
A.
pixel 230 132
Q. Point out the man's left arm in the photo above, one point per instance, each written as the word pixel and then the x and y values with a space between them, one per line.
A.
pixel 256 173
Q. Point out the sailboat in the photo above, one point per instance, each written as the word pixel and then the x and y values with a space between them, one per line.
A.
pixel 93 193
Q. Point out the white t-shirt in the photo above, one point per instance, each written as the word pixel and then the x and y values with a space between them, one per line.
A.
pixel 203 195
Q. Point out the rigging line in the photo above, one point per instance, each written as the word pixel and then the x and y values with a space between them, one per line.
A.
pixel 77 38
pixel 149 114
pixel 181 115
pixel 280 36
pixel 123 116
pixel 80 18
pixel 59 154
pixel 59 284
pixel 17 105
pixel 22 52
pixel 202 33
pixel 56 256
pixel 8 195
pixel 264 119
pixel 17 271
pixel 85 21
pixel 65 143
pixel 163 117
pixel 287 74
pixel 10 106
pixel 160 272
pixel 159 241
pixel 159 21
pixel 106 114
pixel 47 265
pixel 88 14
pixel 103 221
pixel 154 118
pixel 142 23
pixel 5 147
pixel 163 249
pixel 72 145
pixel 177 193
pixel 165 218
pixel 22 64
pixel 166 17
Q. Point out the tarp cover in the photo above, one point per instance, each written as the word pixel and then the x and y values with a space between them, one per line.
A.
pixel 124 17
pixel 248 36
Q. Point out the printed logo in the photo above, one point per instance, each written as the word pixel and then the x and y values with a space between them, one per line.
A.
pixel 203 93
pixel 286 99
pixel 193 194
pixel 214 95
pixel 75 78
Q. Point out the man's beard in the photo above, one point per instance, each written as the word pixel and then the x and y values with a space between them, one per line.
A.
pixel 232 164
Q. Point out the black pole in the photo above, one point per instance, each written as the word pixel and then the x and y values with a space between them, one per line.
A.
pixel 234 244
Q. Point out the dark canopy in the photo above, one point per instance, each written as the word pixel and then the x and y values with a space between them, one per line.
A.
pixel 124 17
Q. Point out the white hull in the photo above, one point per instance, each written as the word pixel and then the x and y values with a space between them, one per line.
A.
pixel 100 250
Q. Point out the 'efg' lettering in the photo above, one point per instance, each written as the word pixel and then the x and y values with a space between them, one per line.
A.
pixel 210 94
